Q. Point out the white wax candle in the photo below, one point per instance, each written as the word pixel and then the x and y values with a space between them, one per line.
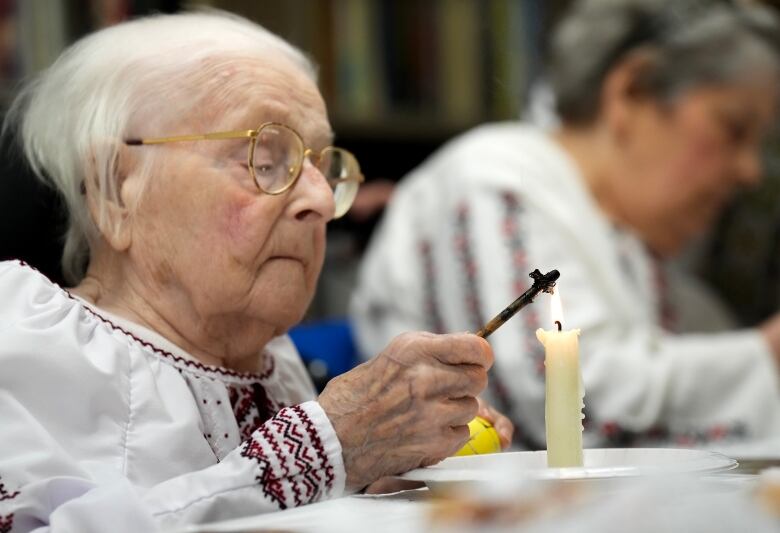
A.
pixel 564 395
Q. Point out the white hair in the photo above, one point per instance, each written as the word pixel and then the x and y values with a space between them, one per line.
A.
pixel 71 118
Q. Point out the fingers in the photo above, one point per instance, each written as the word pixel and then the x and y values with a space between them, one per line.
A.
pixel 450 365
pixel 460 435
pixel 457 412
pixel 453 381
pixel 409 406
pixel 500 423
pixel 388 485
pixel 505 430
pixel 486 411
pixel 461 349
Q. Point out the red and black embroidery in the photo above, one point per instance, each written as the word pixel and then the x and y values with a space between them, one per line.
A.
pixel 514 242
pixel 430 296
pixel 6 521
pixel 468 264
pixel 178 361
pixel 251 406
pixel 294 468
pixel 510 230
pixel 5 494
pixel 615 435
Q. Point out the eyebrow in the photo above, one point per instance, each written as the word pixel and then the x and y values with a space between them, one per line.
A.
pixel 315 132
pixel 327 136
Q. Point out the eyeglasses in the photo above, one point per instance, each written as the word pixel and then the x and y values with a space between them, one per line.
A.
pixel 275 160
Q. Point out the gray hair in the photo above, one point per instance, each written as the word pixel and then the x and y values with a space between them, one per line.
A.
pixel 693 42
pixel 71 118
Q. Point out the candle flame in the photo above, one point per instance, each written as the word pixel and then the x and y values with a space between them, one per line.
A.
pixel 556 309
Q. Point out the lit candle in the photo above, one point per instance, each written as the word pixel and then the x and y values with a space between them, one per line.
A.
pixel 564 393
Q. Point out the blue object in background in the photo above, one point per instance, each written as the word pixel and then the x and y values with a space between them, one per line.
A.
pixel 327 348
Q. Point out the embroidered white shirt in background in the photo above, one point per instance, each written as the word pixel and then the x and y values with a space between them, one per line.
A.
pixel 456 246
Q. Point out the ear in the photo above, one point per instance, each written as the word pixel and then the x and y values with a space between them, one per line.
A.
pixel 111 204
pixel 625 92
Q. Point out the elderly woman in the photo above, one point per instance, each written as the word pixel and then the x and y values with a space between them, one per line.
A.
pixel 193 153
pixel 663 105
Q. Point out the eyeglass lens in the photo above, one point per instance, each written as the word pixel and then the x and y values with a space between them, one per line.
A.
pixel 278 157
pixel 338 167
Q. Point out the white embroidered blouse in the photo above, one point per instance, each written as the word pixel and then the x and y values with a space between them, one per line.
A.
pixel 107 426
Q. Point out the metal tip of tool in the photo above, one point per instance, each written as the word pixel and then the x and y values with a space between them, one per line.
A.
pixel 545 282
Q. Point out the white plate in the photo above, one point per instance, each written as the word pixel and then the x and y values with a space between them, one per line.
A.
pixel 599 463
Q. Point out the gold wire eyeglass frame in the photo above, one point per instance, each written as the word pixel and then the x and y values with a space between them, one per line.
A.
pixel 252 135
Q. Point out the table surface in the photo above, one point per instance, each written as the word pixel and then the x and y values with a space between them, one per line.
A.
pixel 717 503
pixel 713 503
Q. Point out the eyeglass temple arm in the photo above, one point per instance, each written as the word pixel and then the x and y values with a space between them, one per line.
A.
pixel 239 134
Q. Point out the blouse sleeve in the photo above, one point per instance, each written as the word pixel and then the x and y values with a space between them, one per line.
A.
pixel 294 458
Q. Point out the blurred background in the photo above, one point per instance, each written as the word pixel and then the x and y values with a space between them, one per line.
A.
pixel 400 78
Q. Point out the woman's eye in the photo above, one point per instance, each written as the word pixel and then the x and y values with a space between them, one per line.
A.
pixel 264 168
pixel 736 130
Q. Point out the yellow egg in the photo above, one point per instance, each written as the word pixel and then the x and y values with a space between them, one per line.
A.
pixel 484 439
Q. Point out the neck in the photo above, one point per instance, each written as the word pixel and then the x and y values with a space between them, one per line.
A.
pixel 218 340
pixel 593 153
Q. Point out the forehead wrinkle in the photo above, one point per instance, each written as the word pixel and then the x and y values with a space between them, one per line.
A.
pixel 273 91
pixel 273 78
pixel 310 124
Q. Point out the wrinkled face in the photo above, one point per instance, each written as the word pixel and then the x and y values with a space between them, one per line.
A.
pixel 683 161
pixel 206 234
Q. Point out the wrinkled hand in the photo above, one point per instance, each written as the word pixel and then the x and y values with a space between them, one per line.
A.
pixel 409 406
pixel 500 423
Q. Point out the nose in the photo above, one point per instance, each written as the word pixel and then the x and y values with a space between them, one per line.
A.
pixel 312 197
pixel 748 166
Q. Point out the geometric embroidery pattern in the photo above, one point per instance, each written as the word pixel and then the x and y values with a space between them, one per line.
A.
pixel 465 256
pixel 430 300
pixel 293 468
pixel 511 231
pixel 7 521
pixel 251 406
pixel 616 435
pixel 5 494
pixel 179 362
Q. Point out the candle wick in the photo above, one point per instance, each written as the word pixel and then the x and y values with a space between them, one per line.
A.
pixel 558 323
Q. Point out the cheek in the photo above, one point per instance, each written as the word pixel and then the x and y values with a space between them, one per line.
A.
pixel 701 168
pixel 246 224
pixel 234 219
pixel 319 256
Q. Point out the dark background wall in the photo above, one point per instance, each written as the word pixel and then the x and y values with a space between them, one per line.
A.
pixel 400 78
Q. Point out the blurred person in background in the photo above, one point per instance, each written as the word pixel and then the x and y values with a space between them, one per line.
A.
pixel 663 105
pixel 193 153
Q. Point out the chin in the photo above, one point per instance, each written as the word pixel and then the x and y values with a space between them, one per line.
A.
pixel 667 244
pixel 675 242
pixel 291 320
pixel 285 316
